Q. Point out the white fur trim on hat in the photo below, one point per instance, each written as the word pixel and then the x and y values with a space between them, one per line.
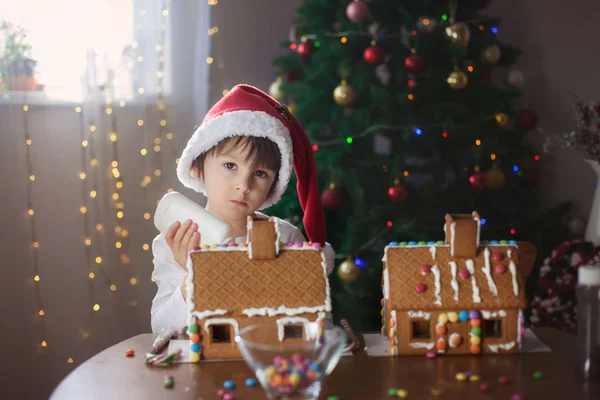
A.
pixel 237 123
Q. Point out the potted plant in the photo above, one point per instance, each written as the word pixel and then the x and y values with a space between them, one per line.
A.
pixel 16 65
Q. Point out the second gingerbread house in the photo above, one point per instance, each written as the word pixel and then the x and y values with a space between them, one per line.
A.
pixel 457 296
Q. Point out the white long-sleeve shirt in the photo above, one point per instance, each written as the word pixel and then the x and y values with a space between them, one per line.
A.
pixel 169 308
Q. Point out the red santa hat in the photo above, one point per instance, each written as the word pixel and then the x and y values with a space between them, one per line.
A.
pixel 248 111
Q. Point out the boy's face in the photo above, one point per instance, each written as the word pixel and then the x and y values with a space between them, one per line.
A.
pixel 235 189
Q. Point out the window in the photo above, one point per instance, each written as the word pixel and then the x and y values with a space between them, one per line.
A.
pixel 420 330
pixel 292 332
pixel 79 46
pixel 220 333
pixel 492 328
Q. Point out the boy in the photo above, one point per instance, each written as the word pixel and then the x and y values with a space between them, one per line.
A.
pixel 241 158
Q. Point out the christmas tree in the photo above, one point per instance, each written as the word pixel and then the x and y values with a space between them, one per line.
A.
pixel 407 124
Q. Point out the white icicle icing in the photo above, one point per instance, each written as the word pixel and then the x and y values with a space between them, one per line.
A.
pixel 519 328
pixel 221 321
pixel 282 322
pixel 386 284
pixel 419 314
pixel 432 250
pixel 454 282
pixel 422 345
pixel 209 313
pixel 493 314
pixel 501 346
pixel 509 253
pixel 452 233
pixel 513 271
pixel 478 226
pixel 471 269
pixel 437 285
pixel 394 327
pixel 487 270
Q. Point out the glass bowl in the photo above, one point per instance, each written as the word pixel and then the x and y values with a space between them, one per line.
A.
pixel 292 368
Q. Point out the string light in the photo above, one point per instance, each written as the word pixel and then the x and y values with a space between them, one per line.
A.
pixel 493 156
pixel 32 225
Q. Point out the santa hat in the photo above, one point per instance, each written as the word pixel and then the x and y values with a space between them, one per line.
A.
pixel 248 111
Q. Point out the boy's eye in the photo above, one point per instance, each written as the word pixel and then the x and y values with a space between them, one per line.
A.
pixel 261 174
pixel 229 165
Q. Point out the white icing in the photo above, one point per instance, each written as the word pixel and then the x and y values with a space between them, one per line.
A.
pixel 509 253
pixel 219 321
pixel 471 269
pixel 419 314
pixel 209 313
pixel 282 322
pixel 493 314
pixel 394 326
pixel 513 271
pixel 282 309
pixel 487 270
pixel 441 339
pixel 453 336
pixel 277 235
pixel 437 285
pixel 422 345
pixel 501 346
pixel 519 327
pixel 432 251
pixel 478 226
pixel 249 229
pixel 452 233
pixel 386 284
pixel 454 282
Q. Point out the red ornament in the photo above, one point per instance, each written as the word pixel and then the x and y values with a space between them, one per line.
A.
pixel 374 55
pixel 527 119
pixel 332 198
pixel 477 181
pixel 414 63
pixel 305 50
pixel 357 11
pixel 398 193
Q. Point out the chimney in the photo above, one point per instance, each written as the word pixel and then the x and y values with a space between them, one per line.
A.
pixel 262 239
pixel 462 233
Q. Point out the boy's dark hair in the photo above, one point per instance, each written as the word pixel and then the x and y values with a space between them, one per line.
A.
pixel 263 152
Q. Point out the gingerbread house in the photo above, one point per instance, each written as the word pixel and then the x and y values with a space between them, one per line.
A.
pixel 232 286
pixel 458 296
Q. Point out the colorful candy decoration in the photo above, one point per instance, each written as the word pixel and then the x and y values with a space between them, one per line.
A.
pixel 287 376
pixel 251 382
pixel 129 353
pixel 499 269
pixel 420 287
pixel 425 269
pixel 229 384
pixel 163 359
pixel 168 382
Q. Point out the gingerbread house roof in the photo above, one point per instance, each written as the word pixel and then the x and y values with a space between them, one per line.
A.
pixel 451 282
pixel 228 280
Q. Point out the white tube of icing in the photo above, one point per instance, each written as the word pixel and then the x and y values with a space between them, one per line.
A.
pixel 175 207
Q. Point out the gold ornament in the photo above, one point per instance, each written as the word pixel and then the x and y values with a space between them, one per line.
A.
pixel 457 79
pixel 501 119
pixel 495 178
pixel 459 34
pixel 491 54
pixel 348 271
pixel 275 90
pixel 344 95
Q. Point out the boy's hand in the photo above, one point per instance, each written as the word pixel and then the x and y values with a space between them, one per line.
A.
pixel 182 238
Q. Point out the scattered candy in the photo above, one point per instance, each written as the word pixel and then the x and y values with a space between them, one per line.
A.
pixel 402 393
pixel 229 384
pixel 484 387
pixel 474 378
pixel 460 376
pixel 437 392
pixel 538 374
pixel 502 380
pixel 220 392
pixel 430 354
pixel 393 392
pixel 168 382
pixel 228 396
pixel 517 396
pixel 333 398
pixel 129 352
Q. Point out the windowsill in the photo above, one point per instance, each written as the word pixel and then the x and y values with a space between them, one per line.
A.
pixel 39 98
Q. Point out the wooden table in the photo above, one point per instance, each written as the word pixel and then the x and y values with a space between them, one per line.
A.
pixel 111 375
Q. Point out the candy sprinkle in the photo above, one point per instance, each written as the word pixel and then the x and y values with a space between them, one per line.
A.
pixel 402 393
pixel 461 377
pixel 229 384
pixel 251 382
pixel 538 374
pixel 129 353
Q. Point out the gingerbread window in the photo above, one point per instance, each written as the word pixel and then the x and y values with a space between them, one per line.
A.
pixel 492 328
pixel 420 330
pixel 220 333
pixel 293 331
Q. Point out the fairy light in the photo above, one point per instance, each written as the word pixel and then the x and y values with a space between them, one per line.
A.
pixel 492 156
pixel 478 142
pixel 32 225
